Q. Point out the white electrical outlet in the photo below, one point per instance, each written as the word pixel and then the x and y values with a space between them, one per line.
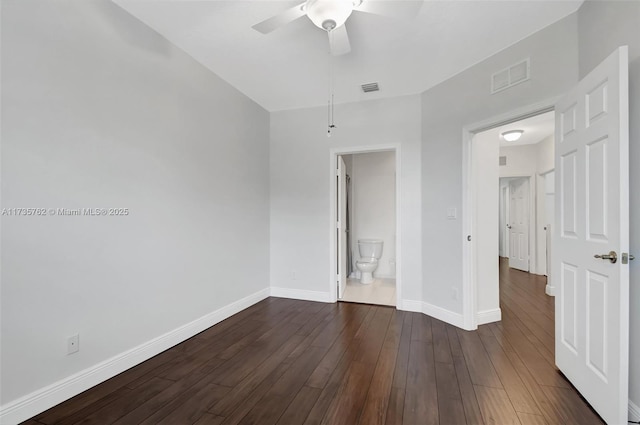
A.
pixel 73 344
pixel 293 275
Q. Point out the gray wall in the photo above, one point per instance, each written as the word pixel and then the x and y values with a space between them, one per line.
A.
pixel 100 111
pixel 464 100
pixel 603 26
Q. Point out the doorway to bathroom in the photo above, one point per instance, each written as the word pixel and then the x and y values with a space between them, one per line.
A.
pixel 366 227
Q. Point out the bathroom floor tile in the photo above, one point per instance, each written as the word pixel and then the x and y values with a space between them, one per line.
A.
pixel 380 291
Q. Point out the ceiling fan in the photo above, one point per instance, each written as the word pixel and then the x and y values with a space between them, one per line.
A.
pixel 331 15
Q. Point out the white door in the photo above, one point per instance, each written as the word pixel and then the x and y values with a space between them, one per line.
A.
pixel 592 218
pixel 519 224
pixel 504 221
pixel 341 227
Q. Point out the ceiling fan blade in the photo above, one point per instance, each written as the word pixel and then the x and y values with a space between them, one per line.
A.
pixel 280 19
pixel 339 41
pixel 399 9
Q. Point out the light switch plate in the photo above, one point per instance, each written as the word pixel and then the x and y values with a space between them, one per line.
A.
pixel 452 213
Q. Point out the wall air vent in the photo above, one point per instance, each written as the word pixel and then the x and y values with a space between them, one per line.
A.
pixel 503 161
pixel 370 87
pixel 510 76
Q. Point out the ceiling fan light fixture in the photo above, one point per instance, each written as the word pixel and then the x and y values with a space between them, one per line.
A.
pixel 512 136
pixel 328 14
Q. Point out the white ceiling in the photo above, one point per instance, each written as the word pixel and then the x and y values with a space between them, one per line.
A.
pixel 288 68
pixel 536 129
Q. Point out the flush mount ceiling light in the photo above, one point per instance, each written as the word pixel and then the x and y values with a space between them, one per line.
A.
pixel 512 136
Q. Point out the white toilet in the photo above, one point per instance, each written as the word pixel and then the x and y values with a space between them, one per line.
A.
pixel 370 252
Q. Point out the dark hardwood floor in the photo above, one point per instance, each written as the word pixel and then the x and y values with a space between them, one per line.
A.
pixel 296 362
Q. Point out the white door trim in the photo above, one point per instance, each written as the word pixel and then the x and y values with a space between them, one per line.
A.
pixel 469 298
pixel 333 164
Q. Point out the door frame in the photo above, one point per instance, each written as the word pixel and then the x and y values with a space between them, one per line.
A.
pixel 333 209
pixel 469 281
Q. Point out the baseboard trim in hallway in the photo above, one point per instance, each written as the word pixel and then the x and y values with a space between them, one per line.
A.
pixel 448 316
pixel 489 316
pixel 51 395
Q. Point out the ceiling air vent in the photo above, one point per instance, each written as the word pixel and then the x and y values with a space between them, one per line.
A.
pixel 503 161
pixel 510 76
pixel 370 87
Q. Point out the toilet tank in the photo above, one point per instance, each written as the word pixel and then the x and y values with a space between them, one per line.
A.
pixel 370 248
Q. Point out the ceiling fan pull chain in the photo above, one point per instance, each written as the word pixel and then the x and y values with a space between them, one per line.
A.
pixel 330 124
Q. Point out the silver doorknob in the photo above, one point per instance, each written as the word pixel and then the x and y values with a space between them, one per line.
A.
pixel 611 256
pixel 508 226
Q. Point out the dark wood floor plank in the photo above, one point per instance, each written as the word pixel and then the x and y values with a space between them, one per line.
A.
pixel 125 404
pixel 374 411
pixel 518 394
pixel 454 342
pixel 402 358
pixel 241 365
pixel 348 403
pixel 538 337
pixel 242 407
pixel 395 408
pixel 340 345
pixel 349 400
pixel 542 369
pixel 300 407
pixel 209 419
pixel 420 400
pixel 551 413
pixel 441 346
pixel 247 386
pixel 173 396
pixel 421 328
pixel 480 368
pixel 193 408
pixel 495 406
pixel 450 407
pixel 331 388
pixel 467 393
pixel 572 405
pixel 284 390
pixel 529 419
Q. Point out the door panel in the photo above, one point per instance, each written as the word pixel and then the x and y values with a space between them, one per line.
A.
pixel 519 224
pixel 592 190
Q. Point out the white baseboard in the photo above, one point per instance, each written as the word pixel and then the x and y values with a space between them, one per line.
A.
pixel 301 294
pixel 488 316
pixel 550 290
pixel 634 412
pixel 443 314
pixel 410 305
pixel 40 400
pixel 439 313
